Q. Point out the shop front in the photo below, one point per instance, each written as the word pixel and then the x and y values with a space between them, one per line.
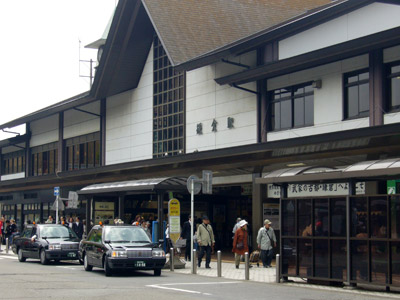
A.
pixel 340 224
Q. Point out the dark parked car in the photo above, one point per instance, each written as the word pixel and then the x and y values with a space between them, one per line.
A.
pixel 114 247
pixel 46 242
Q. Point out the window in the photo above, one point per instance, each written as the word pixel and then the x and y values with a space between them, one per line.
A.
pixel 44 159
pixel 14 162
pixel 83 152
pixel 292 107
pixel 356 94
pixel 168 105
pixel 393 86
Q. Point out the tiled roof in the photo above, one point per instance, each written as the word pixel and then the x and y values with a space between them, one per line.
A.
pixel 190 28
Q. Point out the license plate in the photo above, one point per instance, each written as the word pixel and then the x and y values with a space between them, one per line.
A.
pixel 140 264
pixel 71 254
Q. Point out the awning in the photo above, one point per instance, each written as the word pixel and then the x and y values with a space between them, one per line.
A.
pixel 134 186
pixel 376 169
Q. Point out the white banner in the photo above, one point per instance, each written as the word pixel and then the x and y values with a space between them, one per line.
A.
pixel 315 190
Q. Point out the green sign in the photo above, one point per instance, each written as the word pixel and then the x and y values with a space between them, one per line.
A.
pixel 391 187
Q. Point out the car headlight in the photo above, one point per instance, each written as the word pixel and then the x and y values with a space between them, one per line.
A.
pixel 158 253
pixel 55 247
pixel 119 254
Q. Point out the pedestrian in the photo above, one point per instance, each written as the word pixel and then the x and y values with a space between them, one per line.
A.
pixel 145 226
pixel 2 223
pixel 8 231
pixel 137 221
pixel 14 230
pixel 240 245
pixel 236 227
pixel 70 222
pixel 187 235
pixel 50 220
pixel 206 241
pixel 266 241
pixel 77 227
pixel 63 222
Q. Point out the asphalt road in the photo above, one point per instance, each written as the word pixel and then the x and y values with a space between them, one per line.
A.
pixel 65 280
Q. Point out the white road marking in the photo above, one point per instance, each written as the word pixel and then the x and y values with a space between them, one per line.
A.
pixel 9 257
pixel 69 268
pixel 166 286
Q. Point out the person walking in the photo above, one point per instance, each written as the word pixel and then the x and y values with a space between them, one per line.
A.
pixel 77 227
pixel 206 241
pixel 187 235
pixel 236 227
pixel 240 245
pixel 266 241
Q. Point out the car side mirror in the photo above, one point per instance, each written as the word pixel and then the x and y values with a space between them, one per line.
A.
pixel 107 242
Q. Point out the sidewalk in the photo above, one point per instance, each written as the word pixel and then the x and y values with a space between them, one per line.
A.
pixel 229 271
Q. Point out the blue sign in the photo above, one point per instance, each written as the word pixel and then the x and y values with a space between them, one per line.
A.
pixel 57 191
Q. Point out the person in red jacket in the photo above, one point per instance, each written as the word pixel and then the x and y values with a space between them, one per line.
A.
pixel 240 246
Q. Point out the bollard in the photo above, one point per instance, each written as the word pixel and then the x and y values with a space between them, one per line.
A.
pixel 219 263
pixel 194 262
pixel 247 266
pixel 171 259
pixel 7 245
pixel 278 269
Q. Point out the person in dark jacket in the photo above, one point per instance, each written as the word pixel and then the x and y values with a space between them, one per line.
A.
pixel 187 234
pixel 77 227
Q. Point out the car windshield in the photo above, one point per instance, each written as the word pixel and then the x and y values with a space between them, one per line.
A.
pixel 54 232
pixel 126 235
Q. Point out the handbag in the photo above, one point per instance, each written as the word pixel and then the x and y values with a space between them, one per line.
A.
pixel 239 245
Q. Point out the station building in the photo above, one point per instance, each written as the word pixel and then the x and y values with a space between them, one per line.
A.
pixel 294 106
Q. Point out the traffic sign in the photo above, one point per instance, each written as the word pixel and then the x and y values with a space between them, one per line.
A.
pixel 207 182
pixel 197 184
pixel 57 191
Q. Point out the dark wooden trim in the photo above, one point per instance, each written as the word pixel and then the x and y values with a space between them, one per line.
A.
pixel 27 151
pixel 103 127
pixel 60 155
pixel 316 58
pixel 376 87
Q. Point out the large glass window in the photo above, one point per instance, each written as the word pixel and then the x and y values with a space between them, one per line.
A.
pixel 356 94
pixel 168 105
pixel 83 152
pixel 13 162
pixel 44 159
pixel 292 107
pixel 393 86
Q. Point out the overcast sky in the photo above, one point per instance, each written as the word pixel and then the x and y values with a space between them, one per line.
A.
pixel 39 53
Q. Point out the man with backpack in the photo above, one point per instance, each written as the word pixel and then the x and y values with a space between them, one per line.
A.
pixel 266 241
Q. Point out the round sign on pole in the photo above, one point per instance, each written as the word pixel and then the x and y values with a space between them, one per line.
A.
pixel 197 184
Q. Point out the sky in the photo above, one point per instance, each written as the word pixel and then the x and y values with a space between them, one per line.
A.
pixel 40 51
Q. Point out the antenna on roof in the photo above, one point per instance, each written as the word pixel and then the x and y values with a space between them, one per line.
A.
pixel 90 76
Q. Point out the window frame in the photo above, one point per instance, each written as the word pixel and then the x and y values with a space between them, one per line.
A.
pixel 292 90
pixel 388 86
pixel 346 85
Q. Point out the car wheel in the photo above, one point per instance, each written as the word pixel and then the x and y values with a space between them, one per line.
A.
pixel 157 272
pixel 21 257
pixel 107 269
pixel 86 264
pixel 43 259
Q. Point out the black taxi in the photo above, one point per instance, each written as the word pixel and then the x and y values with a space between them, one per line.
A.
pixel 46 242
pixel 116 247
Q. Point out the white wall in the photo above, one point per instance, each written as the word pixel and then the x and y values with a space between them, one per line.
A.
pixel 328 100
pixel 206 101
pixel 365 21
pixel 44 131
pixel 77 123
pixel 129 120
